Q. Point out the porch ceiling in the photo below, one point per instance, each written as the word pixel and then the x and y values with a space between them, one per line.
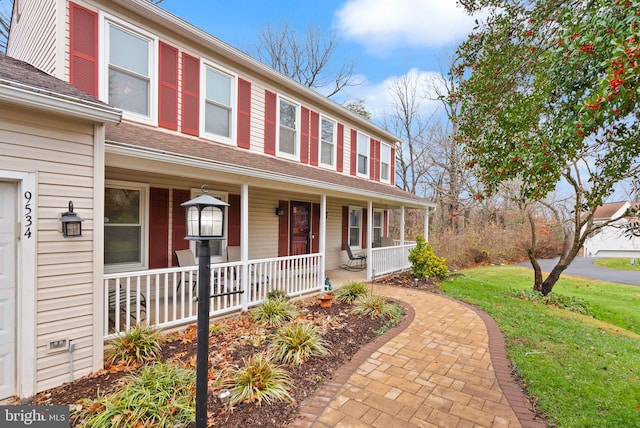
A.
pixel 150 143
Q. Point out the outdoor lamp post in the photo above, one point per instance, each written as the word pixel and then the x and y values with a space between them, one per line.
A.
pixel 205 222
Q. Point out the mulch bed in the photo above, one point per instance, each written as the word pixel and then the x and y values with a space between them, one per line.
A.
pixel 241 338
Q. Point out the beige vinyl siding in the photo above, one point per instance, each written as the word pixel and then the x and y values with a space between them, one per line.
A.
pixel 257 116
pixel 64 267
pixel 33 35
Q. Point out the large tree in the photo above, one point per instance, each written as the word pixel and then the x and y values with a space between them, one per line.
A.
pixel 549 96
pixel 306 59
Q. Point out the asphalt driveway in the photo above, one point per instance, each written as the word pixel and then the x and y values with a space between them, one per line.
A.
pixel 583 266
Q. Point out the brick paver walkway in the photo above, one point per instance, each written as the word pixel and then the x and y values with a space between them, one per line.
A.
pixel 445 366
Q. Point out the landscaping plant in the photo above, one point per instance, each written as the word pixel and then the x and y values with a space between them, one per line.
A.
pixel 351 291
pixel 424 261
pixel 259 379
pixel 296 343
pixel 140 344
pixel 374 306
pixel 274 312
pixel 160 395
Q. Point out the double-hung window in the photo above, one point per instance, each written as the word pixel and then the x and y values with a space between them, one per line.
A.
pixel 385 162
pixel 218 97
pixel 130 59
pixel 288 129
pixel 378 224
pixel 327 142
pixel 355 226
pixel 124 225
pixel 363 154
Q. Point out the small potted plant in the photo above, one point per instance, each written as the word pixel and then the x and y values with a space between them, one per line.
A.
pixel 326 299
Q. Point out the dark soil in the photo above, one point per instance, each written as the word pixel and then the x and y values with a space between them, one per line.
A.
pixel 241 338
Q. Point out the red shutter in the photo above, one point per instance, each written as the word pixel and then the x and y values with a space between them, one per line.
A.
pixel 372 159
pixel 83 49
pixel 340 149
pixel 304 135
pixel 354 151
pixel 345 226
pixel 364 228
pixel 158 228
pixel 283 229
pixel 269 123
pixel 315 129
pixel 244 114
pixel 190 95
pixel 315 228
pixel 168 87
pixel 392 168
pixel 179 226
pixel 233 215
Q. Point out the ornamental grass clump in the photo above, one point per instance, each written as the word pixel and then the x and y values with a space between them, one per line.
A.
pixel 374 306
pixel 351 291
pixel 296 343
pixel 275 312
pixel 140 344
pixel 159 395
pixel 425 263
pixel 260 379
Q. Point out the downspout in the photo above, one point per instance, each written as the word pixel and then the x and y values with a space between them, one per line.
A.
pixel 370 272
pixel 323 239
pixel 426 223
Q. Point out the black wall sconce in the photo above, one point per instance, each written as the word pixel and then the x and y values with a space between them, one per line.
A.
pixel 279 211
pixel 71 223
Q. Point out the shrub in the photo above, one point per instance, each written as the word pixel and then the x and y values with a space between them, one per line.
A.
pixel 375 306
pixel 351 291
pixel 425 263
pixel 217 328
pixel 260 379
pixel 160 395
pixel 296 343
pixel 274 312
pixel 141 343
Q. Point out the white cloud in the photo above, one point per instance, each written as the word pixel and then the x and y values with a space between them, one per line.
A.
pixel 379 98
pixel 385 24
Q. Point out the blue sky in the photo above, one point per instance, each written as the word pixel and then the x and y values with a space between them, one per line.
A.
pixel 385 38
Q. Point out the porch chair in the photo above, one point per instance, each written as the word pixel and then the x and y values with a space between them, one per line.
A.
pixel 186 259
pixel 233 255
pixel 356 261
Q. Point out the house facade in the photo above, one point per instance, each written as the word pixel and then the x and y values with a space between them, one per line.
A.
pixel 611 240
pixel 303 176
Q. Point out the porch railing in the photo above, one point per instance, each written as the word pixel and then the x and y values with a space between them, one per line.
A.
pixel 390 259
pixel 167 297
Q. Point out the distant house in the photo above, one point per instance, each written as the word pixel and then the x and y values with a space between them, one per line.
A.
pixel 144 109
pixel 610 240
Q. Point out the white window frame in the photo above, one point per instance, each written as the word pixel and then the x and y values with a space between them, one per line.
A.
pixel 374 227
pixel 357 245
pixel 204 65
pixel 105 21
pixel 296 143
pixel 366 154
pixel 144 226
pixel 382 162
pixel 332 165
pixel 224 197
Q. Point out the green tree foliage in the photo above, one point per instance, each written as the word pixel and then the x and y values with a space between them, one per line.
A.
pixel 424 261
pixel 549 94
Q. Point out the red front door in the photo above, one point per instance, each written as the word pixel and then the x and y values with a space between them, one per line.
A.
pixel 300 228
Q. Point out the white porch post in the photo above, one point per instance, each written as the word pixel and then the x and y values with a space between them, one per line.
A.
pixel 244 242
pixel 322 244
pixel 426 224
pixel 369 239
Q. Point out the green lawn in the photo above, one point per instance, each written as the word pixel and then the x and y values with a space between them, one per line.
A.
pixel 618 263
pixel 582 371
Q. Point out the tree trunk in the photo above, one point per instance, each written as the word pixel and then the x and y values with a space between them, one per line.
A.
pixel 551 280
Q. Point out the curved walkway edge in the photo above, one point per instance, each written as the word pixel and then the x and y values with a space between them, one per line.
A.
pixel 445 365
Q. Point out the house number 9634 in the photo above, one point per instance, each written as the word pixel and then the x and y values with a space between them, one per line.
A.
pixel 28 219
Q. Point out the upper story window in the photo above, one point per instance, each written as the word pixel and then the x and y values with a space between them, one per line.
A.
pixel 218 101
pixel 363 155
pixel 327 142
pixel 288 129
pixel 385 163
pixel 130 59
